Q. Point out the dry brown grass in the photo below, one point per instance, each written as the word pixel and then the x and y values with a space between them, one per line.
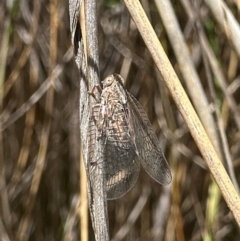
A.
pixel 39 142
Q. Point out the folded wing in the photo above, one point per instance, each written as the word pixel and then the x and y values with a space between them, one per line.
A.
pixel 149 150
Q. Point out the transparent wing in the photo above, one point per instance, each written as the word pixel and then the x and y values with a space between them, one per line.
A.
pixel 120 166
pixel 150 153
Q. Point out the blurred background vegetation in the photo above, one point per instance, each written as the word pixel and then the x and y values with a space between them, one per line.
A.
pixel 40 155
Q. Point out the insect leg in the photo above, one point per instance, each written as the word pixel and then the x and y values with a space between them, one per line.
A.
pixel 98 87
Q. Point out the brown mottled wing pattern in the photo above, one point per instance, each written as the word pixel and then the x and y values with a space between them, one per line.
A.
pixel 150 153
pixel 128 138
pixel 121 160
pixel 121 166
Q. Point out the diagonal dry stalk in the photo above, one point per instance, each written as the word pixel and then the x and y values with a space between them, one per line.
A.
pixel 186 65
pixel 185 107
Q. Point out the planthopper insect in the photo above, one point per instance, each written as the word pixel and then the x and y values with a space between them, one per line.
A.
pixel 128 138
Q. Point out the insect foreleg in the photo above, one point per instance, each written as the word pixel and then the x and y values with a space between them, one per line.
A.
pixel 98 87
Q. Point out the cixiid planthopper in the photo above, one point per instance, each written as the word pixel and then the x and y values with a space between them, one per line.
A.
pixel 128 138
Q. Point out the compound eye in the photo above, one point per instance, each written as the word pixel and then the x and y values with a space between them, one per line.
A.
pixel 109 81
